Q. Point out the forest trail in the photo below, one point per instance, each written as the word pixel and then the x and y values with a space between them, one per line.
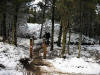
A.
pixel 40 66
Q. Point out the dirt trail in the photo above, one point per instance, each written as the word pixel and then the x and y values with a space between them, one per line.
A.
pixel 40 66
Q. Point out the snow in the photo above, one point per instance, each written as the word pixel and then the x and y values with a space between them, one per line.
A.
pixel 23 42
pixel 9 57
pixel 94 47
pixel 33 29
pixel 98 8
pixel 85 39
pixel 87 64
pixel 30 29
pixel 75 65
pixel 36 1
pixel 84 65
pixel 34 4
pixel 11 72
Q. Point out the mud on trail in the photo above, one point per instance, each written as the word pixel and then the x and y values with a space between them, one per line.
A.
pixel 35 67
pixel 40 66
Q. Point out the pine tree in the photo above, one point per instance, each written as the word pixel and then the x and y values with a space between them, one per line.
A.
pixel 43 7
pixel 83 10
pixel 59 36
pixel 53 19
pixel 64 7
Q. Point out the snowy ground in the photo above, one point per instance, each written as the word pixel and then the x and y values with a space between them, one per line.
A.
pixel 34 29
pixel 76 65
pixel 9 57
pixel 89 63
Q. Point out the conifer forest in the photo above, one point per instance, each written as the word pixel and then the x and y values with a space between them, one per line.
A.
pixel 49 37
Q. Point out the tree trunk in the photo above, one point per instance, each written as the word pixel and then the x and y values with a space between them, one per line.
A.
pixel 41 30
pixel 15 37
pixel 59 37
pixel 79 46
pixel 69 41
pixel 4 27
pixel 64 41
pixel 15 28
pixel 80 34
pixel 64 26
pixel 42 21
pixel 52 31
pixel 9 34
pixel 1 31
